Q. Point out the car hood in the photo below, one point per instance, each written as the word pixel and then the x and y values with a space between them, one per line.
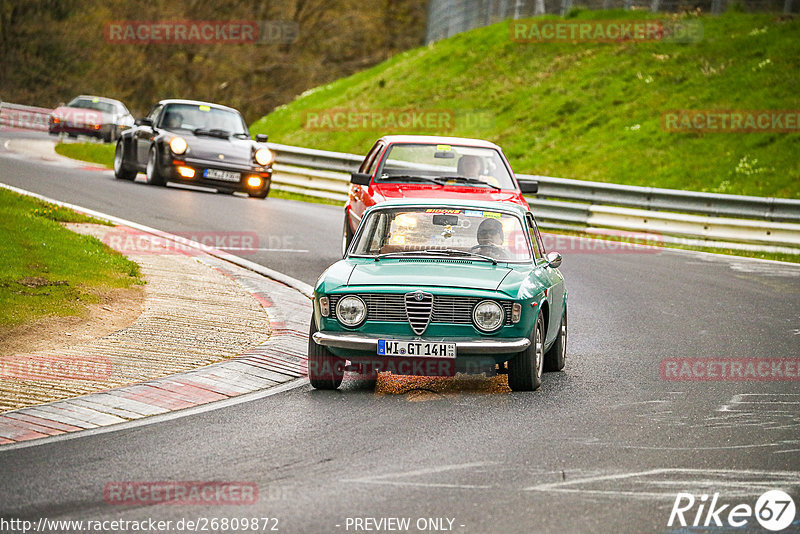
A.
pixel 429 272
pixel 233 150
pixel 81 115
pixel 393 191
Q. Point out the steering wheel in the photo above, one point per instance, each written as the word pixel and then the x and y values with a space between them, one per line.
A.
pixel 489 249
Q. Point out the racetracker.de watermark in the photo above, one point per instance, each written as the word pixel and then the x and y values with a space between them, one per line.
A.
pixel 727 121
pixel 610 242
pixel 409 120
pixel 189 243
pixel 201 32
pixel 730 369
pixel 183 493
pixel 47 367
pixel 605 31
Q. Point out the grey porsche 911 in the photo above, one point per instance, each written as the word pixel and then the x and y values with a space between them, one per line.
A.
pixel 200 143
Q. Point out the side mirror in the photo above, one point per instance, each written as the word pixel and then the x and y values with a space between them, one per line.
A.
pixel 529 186
pixel 553 259
pixel 360 178
pixel 144 121
pixel 261 138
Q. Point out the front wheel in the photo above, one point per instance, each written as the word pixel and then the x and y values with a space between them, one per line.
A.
pixel 154 176
pixel 556 357
pixel 325 371
pixel 121 172
pixel 525 369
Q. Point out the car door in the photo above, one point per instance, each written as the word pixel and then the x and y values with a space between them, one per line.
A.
pixel 359 194
pixel 555 291
pixel 144 135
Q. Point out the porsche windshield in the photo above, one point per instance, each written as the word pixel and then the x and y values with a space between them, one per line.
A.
pixel 448 164
pixel 458 232
pixel 202 118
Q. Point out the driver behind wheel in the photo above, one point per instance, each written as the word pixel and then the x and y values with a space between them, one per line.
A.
pixel 490 239
pixel 472 167
pixel 172 119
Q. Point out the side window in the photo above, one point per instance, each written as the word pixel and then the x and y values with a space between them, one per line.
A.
pixel 536 238
pixel 368 165
pixel 154 113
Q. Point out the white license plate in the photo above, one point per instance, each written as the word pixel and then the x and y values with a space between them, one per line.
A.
pixel 431 349
pixel 225 176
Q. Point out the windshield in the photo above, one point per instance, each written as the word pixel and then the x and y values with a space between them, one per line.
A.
pixel 91 103
pixel 431 231
pixel 194 117
pixel 450 164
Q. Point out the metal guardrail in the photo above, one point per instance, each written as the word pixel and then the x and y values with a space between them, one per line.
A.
pixel 715 219
pixel 711 219
pixel 24 117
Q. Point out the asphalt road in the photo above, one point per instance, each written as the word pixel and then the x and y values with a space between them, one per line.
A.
pixel 605 446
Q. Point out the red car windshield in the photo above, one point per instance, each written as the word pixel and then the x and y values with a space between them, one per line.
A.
pixel 448 164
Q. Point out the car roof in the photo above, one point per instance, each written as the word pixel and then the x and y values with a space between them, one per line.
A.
pixel 101 98
pixel 196 103
pixel 438 139
pixel 483 205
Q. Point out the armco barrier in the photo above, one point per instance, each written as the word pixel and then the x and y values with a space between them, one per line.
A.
pixel 716 219
pixel 24 117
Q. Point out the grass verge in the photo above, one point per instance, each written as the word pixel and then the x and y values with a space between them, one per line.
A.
pixel 46 269
pixel 583 110
pixel 102 154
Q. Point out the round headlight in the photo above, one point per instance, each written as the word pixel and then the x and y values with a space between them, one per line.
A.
pixel 178 145
pixel 488 316
pixel 351 311
pixel 264 156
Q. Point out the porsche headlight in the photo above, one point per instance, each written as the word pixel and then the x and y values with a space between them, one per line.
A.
pixel 351 311
pixel 488 316
pixel 178 145
pixel 264 156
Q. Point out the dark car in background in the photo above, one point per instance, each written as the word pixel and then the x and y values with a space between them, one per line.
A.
pixel 94 116
pixel 191 142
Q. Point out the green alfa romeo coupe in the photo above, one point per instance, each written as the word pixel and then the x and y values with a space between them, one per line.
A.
pixel 437 287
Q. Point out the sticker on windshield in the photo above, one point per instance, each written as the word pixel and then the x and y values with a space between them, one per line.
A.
pixel 443 148
pixel 204 108
pixel 473 213
pixel 454 212
pixel 95 100
pixel 491 215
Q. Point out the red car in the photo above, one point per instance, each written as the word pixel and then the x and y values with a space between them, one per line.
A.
pixel 95 116
pixel 421 166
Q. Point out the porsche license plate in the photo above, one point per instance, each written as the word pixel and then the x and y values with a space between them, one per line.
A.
pixel 388 347
pixel 225 176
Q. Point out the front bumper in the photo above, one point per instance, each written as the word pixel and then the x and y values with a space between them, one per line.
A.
pixel 200 166
pixel 361 342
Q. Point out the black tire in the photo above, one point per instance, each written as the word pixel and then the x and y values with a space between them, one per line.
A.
pixel 154 176
pixel 325 371
pixel 347 234
pixel 556 357
pixel 121 170
pixel 525 369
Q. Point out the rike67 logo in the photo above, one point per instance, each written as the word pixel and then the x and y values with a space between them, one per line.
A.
pixel 774 511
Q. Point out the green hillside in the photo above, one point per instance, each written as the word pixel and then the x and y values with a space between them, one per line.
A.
pixel 589 110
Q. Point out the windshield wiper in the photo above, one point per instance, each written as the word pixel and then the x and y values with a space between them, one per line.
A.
pixel 213 132
pixel 465 180
pixel 409 177
pixel 453 252
pixel 436 251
